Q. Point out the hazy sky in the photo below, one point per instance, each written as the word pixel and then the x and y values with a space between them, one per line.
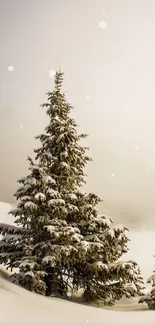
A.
pixel 110 80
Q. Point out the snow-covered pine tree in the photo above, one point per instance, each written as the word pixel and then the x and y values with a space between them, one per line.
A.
pixel 98 243
pixel 68 176
pixel 149 299
pixel 61 241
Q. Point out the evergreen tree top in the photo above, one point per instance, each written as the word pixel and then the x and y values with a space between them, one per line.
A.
pixel 61 149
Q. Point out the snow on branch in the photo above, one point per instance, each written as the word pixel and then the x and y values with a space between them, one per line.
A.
pixel 5 228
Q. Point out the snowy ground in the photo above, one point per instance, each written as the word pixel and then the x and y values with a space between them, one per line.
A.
pixel 18 306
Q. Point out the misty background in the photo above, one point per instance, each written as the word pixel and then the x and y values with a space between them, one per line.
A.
pixel 106 48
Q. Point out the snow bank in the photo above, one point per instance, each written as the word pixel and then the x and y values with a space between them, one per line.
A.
pixel 4 217
pixel 142 250
pixel 20 307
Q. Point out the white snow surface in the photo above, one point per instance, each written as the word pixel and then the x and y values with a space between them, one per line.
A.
pixel 20 307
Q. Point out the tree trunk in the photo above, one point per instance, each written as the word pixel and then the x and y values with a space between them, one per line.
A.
pixel 49 280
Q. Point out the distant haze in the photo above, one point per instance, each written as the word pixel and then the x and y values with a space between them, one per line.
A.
pixel 110 80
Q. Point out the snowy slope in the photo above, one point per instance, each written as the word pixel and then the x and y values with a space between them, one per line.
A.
pixel 4 209
pixel 20 307
pixel 142 250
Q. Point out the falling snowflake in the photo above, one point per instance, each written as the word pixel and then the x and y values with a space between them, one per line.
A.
pixel 55 30
pixel 112 174
pixel 52 73
pixel 87 97
pixel 102 24
pixel 21 126
pixel 11 68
